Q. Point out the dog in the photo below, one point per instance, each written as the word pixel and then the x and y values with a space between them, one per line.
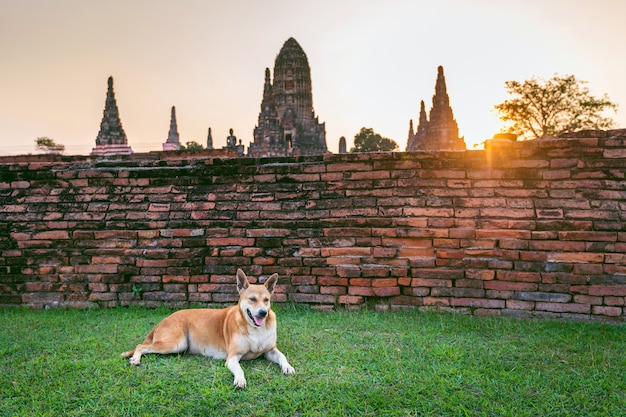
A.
pixel 239 332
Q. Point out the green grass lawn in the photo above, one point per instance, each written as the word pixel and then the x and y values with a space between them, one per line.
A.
pixel 365 363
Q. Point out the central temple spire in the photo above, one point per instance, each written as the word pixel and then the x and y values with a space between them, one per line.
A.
pixel 287 125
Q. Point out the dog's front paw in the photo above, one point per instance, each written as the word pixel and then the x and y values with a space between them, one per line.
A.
pixel 288 369
pixel 134 361
pixel 240 382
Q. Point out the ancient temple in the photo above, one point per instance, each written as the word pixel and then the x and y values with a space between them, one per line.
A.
pixel 439 130
pixel 287 125
pixel 111 139
pixel 173 138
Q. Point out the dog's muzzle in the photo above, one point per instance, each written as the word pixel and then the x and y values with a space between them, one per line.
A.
pixel 259 319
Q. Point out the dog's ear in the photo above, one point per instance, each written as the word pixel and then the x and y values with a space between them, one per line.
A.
pixel 242 281
pixel 270 283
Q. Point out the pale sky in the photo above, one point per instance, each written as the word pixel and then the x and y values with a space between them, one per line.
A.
pixel 371 63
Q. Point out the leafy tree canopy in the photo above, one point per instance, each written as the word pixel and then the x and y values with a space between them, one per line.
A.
pixel 191 146
pixel 369 141
pixel 541 107
pixel 47 145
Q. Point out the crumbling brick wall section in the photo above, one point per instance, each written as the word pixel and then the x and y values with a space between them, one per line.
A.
pixel 532 228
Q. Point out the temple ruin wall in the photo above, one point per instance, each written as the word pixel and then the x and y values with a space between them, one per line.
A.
pixel 535 228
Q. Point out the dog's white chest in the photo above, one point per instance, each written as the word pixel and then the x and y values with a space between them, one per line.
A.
pixel 259 343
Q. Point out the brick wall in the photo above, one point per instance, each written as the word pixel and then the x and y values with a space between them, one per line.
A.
pixel 533 228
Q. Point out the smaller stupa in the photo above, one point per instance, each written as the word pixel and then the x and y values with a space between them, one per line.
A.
pixel 111 138
pixel 173 138
pixel 209 140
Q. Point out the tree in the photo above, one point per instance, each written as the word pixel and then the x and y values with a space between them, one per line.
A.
pixel 561 104
pixel 369 141
pixel 48 145
pixel 191 146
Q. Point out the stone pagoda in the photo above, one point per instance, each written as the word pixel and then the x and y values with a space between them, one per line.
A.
pixel 173 138
pixel 439 131
pixel 111 138
pixel 287 125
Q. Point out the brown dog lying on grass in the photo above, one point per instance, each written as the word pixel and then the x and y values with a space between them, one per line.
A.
pixel 243 331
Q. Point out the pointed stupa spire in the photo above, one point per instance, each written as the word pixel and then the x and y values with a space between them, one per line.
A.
pixel 173 139
pixel 209 140
pixel 111 131
pixel 422 125
pixel 111 138
pixel 172 135
pixel 441 101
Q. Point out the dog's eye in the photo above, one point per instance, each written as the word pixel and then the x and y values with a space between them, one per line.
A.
pixel 266 299
pixel 253 299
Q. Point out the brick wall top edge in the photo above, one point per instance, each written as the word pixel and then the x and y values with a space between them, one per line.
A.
pixel 610 138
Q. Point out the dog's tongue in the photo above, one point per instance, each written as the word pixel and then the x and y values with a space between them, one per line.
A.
pixel 259 321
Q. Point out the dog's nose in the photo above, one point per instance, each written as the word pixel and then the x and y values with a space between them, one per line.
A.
pixel 262 313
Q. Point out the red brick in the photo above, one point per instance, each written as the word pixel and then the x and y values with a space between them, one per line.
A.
pixel 362 291
pixel 610 290
pixel 386 291
pixel 421 282
pixel 434 301
pixel 52 235
pixel 230 241
pixel 333 290
pixel 332 281
pixel 348 271
pixel 96 269
pixel 510 286
pixel 587 299
pixel 408 252
pixel 477 303
pixel 607 311
pixel 480 274
pixel 404 282
pixel 518 276
pixel 564 307
pixel 385 282
pixel 428 212
pixel 350 299
pixel 159 207
pixel 520 305
pixel 614 301
pixel 313 298
pixel 349 251
pixel 175 278
pixel 361 282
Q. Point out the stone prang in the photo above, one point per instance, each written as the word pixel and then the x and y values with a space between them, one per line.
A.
pixel 111 138
pixel 439 131
pixel 287 125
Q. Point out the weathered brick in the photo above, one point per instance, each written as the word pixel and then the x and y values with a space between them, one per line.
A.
pixel 607 311
pixel 564 307
pixel 608 290
pixel 350 299
pixel 477 303
pixel 386 291
pixel 542 296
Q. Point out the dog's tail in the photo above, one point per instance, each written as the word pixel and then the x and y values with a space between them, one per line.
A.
pixel 148 341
